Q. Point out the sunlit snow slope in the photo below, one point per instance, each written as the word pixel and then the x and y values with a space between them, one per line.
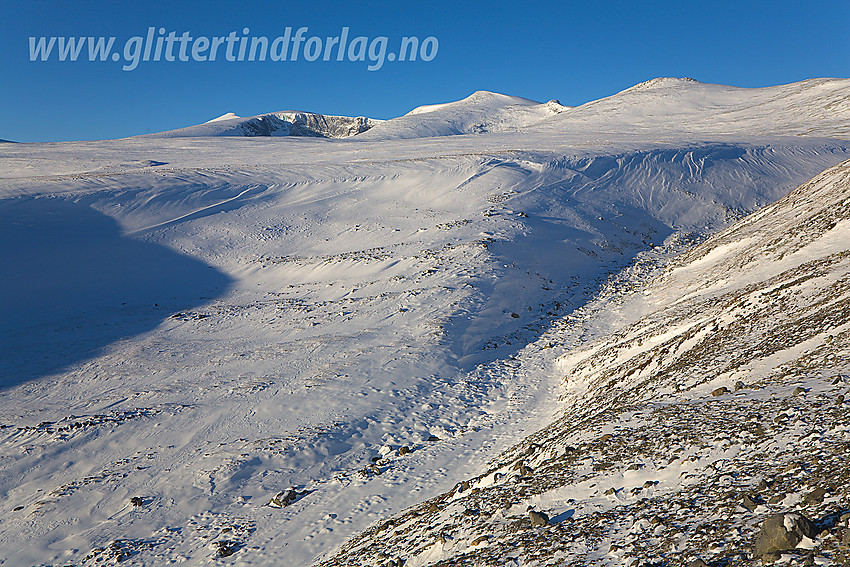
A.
pixel 718 401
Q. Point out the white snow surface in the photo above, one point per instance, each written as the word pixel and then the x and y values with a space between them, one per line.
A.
pixel 204 322
pixel 225 116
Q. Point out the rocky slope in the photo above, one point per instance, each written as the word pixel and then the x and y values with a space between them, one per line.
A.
pixel 288 123
pixel 718 403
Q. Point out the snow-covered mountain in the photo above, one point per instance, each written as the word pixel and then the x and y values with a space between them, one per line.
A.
pixel 665 106
pixel 288 123
pixel 211 355
pixel 659 108
pixel 479 113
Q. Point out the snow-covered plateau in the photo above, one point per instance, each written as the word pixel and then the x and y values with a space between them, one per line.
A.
pixel 487 332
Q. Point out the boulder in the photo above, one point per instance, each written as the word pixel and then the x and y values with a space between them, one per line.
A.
pixel 284 498
pixel 749 503
pixel 782 532
pixel 815 496
pixel 538 518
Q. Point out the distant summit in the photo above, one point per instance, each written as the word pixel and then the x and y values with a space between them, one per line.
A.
pixel 287 123
pixel 479 113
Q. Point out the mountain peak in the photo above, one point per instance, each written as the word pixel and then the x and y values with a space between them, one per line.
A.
pixel 663 82
pixel 225 116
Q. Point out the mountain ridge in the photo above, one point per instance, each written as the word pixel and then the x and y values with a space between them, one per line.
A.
pixel 664 105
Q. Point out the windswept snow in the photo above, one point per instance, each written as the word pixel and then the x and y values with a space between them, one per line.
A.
pixel 208 323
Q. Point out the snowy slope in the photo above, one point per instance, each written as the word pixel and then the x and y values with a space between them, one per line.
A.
pixel 205 322
pixel 722 401
pixel 288 123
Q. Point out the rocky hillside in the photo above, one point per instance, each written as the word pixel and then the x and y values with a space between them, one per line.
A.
pixel 288 123
pixel 711 429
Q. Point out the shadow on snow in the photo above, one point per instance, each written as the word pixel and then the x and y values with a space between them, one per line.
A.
pixel 72 283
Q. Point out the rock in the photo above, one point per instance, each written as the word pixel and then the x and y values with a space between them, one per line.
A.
pixel 782 532
pixel 799 390
pixel 224 548
pixel 776 498
pixel 815 496
pixel 403 450
pixel 538 518
pixel 515 315
pixel 839 400
pixel 284 498
pixel 432 507
pixel 697 563
pixel 720 391
pixel 606 437
pixel 433 438
pixel 610 491
pixel 738 386
pixel 480 539
pixel 136 501
pixel 748 502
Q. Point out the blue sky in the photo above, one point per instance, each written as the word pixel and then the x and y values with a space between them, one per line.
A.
pixel 572 51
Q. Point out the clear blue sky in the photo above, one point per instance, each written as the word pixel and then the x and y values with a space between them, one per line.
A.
pixel 572 51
